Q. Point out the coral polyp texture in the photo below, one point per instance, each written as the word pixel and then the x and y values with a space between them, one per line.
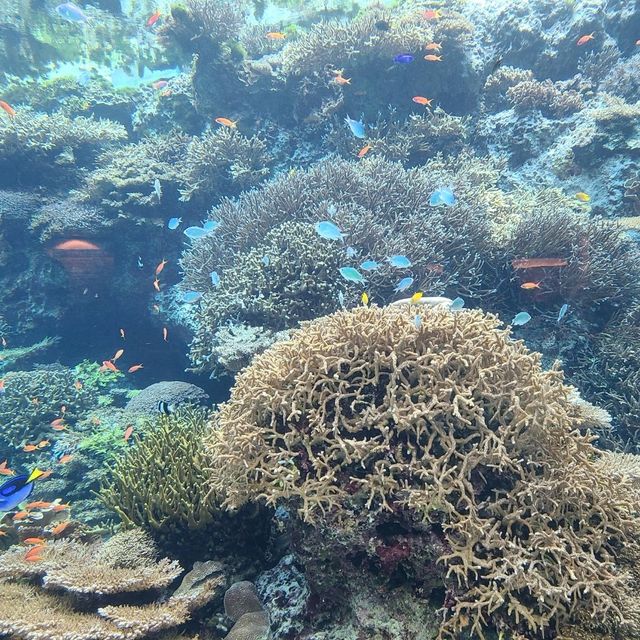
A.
pixel 447 423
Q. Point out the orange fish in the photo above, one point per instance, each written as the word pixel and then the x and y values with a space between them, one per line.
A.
pixel 530 285
pixel 533 263
pixel 426 102
pixel 45 474
pixel 434 46
pixel 95 420
pixel 59 425
pixel 117 354
pixel 39 504
pixel 430 57
pixel 584 39
pixel 107 364
pixel 160 267
pixel 61 507
pixel 135 367
pixel 43 443
pixel 226 122
pixel 36 541
pixel 78 385
pixel 122 333
pixel 58 529
pixel 276 35
pixel 435 267
pixel 341 80
pixel 156 284
pixel 1 384
pixel 153 18
pixel 4 470
pixel 8 108
pixel 66 458
pixel 33 555
pixel 363 152
pixel 30 447
pixel 21 515
pixel 128 432
pixel 431 14
pixel 165 334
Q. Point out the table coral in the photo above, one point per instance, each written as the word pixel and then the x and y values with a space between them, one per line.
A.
pixel 363 417
pixel 77 577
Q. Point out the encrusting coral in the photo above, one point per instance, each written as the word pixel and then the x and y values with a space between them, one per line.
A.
pixel 242 605
pixel 443 427
pixel 69 575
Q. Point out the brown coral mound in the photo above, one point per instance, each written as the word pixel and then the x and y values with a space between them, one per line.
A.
pixel 367 413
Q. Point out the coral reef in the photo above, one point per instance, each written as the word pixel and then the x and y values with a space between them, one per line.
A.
pixel 173 392
pixel 160 484
pixel 71 574
pixel 366 422
pixel 50 143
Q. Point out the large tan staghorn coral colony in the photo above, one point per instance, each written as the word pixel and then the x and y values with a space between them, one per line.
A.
pixel 441 425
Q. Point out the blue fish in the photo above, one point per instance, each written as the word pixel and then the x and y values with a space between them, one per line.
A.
pixel 71 12
pixel 191 296
pixel 332 210
pixel 404 284
pixel 341 298
pixel 563 312
pixel 195 232
pixel 444 195
pixel 369 265
pixel 417 320
pixel 215 278
pixel 402 262
pixel 520 318
pixel 456 305
pixel 16 490
pixel 350 251
pixel 356 126
pixel 265 260
pixel 351 274
pixel 403 58
pixel 328 230
pixel 174 223
pixel 210 225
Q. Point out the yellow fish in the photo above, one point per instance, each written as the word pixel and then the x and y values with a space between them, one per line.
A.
pixel 365 298
pixel 583 197
pixel 416 297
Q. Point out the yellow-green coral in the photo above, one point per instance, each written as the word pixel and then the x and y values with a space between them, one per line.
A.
pixel 366 413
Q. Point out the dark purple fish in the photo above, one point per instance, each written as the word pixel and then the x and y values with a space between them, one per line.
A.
pixel 403 58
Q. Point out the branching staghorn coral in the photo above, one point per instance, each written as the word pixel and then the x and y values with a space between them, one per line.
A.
pixel 64 217
pixel 622 78
pixel 545 96
pixel 74 576
pixel 355 44
pixel 47 142
pixel 366 415
pixel 159 483
pixel 497 84
pixel 222 161
pixel 380 206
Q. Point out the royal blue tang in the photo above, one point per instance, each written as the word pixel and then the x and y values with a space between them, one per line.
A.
pixel 18 489
pixel 403 58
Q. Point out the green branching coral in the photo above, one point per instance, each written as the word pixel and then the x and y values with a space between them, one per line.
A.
pixel 49 141
pixel 159 484
pixel 379 431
